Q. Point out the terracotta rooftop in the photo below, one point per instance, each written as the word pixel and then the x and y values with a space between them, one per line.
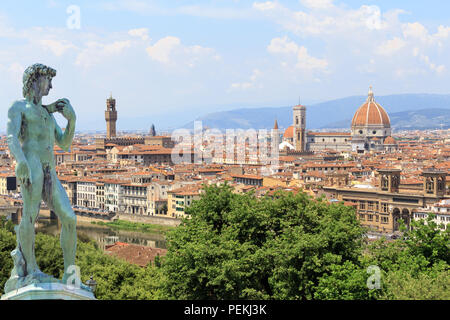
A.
pixel 136 254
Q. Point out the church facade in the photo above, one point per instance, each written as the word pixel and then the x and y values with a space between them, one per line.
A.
pixel 370 130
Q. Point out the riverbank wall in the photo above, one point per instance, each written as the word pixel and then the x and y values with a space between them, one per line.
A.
pixel 149 219
pixel 127 217
pixel 46 214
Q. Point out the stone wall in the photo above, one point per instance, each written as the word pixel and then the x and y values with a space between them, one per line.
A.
pixel 149 219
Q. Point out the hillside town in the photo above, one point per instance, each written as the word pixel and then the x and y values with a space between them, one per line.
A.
pixel 386 176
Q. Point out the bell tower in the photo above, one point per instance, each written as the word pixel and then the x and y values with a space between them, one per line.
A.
pixel 299 123
pixel 389 179
pixel 434 182
pixel 110 117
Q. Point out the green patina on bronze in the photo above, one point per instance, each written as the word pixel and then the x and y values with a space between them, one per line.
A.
pixel 32 131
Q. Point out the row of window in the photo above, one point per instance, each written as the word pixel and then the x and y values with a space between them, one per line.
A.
pixel 86 196
pixel 323 140
pixel 370 218
pixel 424 216
pixel 373 132
pixel 86 203
pixel 82 188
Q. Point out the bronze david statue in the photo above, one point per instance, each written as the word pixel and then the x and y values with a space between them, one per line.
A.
pixel 32 131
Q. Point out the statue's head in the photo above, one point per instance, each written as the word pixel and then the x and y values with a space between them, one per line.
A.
pixel 37 80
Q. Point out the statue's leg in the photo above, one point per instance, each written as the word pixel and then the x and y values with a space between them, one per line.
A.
pixel 56 198
pixel 31 196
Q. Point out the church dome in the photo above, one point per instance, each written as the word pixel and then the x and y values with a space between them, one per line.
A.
pixel 389 140
pixel 289 133
pixel 371 113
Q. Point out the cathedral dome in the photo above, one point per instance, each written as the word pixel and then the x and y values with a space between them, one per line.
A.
pixel 289 133
pixel 371 113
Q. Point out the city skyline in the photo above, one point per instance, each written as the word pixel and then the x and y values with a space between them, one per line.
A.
pixel 190 58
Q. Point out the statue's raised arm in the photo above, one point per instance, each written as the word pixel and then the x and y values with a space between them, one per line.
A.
pixel 64 140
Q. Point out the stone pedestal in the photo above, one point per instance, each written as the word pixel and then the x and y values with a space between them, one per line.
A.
pixel 48 291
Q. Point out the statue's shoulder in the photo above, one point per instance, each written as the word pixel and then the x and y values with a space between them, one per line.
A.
pixel 18 106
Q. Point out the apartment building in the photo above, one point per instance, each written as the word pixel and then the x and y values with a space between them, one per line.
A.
pixel 87 193
pixel 133 198
pixel 179 199
pixel 113 194
pixel 157 197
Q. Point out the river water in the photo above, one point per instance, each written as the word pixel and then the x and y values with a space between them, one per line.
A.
pixel 103 235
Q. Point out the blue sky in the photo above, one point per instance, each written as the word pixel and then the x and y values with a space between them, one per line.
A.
pixel 167 62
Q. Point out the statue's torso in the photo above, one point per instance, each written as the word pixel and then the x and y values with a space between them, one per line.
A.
pixel 37 133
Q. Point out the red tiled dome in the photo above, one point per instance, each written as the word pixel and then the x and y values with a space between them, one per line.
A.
pixel 389 140
pixel 289 132
pixel 371 113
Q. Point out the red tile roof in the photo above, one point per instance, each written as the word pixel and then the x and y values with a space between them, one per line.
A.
pixel 136 254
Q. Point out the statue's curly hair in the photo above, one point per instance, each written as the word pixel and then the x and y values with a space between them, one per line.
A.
pixel 32 73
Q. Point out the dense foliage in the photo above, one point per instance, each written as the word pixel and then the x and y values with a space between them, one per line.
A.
pixel 415 267
pixel 241 247
pixel 287 246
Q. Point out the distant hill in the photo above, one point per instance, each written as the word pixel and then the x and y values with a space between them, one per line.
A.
pixel 409 120
pixel 407 111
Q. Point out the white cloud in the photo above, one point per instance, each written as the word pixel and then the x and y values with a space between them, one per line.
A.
pixel 303 59
pixel 415 30
pixel 170 50
pixel 252 83
pixel 58 47
pixel 282 45
pixel 140 33
pixel 265 6
pixel 317 22
pixel 438 69
pixel 442 33
pixel 351 37
pixel 95 52
pixel 241 85
pixel 390 47
pixel 317 4
pixel 162 49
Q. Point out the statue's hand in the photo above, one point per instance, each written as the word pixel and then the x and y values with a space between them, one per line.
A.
pixel 55 106
pixel 23 173
pixel 66 109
